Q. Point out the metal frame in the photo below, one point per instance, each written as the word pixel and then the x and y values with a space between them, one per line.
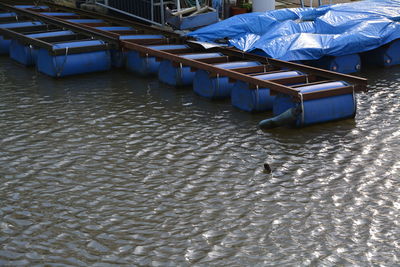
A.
pixel 310 75
pixel 122 22
pixel 58 22
pixel 276 86
pixel 132 15
pixel 45 43
pixel 360 82
pixel 161 4
pixel 231 51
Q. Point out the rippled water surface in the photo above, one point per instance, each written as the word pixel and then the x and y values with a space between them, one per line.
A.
pixel 112 169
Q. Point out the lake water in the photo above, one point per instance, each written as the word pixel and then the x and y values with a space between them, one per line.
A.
pixel 111 169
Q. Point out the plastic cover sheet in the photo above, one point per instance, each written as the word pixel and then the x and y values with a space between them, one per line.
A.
pixel 310 33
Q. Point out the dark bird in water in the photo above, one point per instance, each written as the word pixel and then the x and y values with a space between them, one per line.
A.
pixel 267 168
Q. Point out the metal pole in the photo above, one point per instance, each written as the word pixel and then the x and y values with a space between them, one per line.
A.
pixel 178 7
pixel 152 9
pixel 162 12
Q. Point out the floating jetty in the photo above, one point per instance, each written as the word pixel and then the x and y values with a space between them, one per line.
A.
pixel 62 41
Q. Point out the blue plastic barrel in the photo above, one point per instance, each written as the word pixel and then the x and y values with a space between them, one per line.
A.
pixel 318 110
pixel 58 14
pixel 24 54
pixel 141 36
pixel 5 44
pixel 31 7
pixel 343 64
pixel 27 54
pixel 118 57
pixel 115 28
pixel 146 65
pixel 20 24
pixel 86 20
pixel 253 100
pixel 8 15
pixel 384 56
pixel 70 64
pixel 217 87
pixel 49 34
pixel 174 75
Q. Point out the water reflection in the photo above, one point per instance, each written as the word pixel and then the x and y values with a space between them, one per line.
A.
pixel 115 169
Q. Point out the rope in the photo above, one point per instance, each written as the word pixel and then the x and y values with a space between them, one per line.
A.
pixel 354 100
pixel 302 108
pixel 30 48
pixel 108 51
pixel 267 61
pixel 147 62
pixel 60 70
pixel 180 73
pixel 217 89
pixel 257 97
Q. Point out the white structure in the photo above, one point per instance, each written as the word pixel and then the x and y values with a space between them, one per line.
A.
pixel 263 5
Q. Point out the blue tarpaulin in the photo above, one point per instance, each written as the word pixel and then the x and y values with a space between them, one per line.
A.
pixel 310 33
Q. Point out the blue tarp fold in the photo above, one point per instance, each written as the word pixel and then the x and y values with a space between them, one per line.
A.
pixel 310 33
